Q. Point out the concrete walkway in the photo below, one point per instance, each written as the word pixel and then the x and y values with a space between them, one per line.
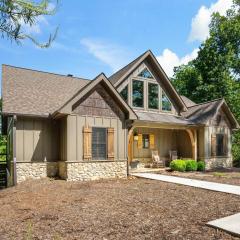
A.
pixel 219 187
pixel 230 224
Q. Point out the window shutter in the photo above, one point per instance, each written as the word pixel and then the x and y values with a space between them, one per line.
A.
pixel 87 143
pixel 152 141
pixel 213 145
pixel 110 144
pixel 225 144
pixel 140 141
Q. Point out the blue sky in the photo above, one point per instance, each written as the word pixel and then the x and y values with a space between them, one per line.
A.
pixel 102 36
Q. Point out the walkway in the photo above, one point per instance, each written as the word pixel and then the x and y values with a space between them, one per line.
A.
pixel 219 187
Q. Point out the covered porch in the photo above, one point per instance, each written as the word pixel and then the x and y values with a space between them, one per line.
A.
pixel 169 141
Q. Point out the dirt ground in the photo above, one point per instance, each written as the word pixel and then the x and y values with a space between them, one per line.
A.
pixel 228 176
pixel 113 209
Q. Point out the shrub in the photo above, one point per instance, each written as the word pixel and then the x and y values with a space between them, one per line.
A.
pixel 191 165
pixel 178 165
pixel 201 166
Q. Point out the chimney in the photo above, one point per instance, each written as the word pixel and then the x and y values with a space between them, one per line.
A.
pixel 70 75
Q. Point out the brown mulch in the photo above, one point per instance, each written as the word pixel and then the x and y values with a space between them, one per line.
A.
pixel 227 176
pixel 112 209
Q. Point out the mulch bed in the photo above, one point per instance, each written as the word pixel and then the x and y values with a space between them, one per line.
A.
pixel 227 176
pixel 114 209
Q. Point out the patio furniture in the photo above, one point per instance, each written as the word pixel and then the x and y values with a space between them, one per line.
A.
pixel 173 155
pixel 157 161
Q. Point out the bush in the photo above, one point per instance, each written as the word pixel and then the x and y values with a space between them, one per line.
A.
pixel 191 165
pixel 201 166
pixel 178 165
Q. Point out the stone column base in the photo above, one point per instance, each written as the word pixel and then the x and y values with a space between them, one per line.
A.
pixel 218 162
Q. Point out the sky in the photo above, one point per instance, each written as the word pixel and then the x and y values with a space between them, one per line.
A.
pixel 102 36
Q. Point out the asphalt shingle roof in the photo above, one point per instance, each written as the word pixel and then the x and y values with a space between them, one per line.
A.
pixel 33 92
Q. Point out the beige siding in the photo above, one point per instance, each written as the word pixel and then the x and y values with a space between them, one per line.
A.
pixel 75 126
pixel 63 139
pixel 37 140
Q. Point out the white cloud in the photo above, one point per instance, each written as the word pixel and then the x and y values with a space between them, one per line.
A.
pixel 168 60
pixel 113 55
pixel 35 28
pixel 201 21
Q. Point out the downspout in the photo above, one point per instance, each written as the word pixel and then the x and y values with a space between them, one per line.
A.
pixel 14 151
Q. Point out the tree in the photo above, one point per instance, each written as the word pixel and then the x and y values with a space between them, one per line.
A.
pixel 15 13
pixel 215 73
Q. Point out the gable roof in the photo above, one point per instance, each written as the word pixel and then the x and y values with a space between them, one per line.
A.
pixel 31 92
pixel 188 102
pixel 66 108
pixel 123 73
pixel 201 113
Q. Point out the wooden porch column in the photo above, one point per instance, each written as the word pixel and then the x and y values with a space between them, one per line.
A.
pixel 193 137
pixel 130 144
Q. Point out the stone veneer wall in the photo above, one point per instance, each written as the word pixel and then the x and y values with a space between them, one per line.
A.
pixel 84 171
pixel 218 162
pixel 36 170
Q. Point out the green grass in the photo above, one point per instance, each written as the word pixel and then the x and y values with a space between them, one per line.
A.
pixel 219 174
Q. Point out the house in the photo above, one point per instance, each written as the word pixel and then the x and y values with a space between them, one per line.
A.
pixel 81 129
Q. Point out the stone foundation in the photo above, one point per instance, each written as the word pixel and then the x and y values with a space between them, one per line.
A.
pixel 85 171
pixel 218 162
pixel 36 170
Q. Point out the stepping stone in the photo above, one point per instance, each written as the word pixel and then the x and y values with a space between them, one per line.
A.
pixel 230 224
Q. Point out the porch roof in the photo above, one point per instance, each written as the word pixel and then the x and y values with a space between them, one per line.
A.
pixel 163 118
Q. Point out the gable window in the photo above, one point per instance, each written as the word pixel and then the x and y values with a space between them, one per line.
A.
pixel 166 104
pixel 145 74
pixel 124 94
pixel 152 96
pixel 99 143
pixel 137 93
pixel 145 139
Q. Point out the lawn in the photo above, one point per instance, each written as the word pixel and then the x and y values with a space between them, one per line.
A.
pixel 113 209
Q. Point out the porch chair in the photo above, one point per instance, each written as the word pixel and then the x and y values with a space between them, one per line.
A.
pixel 173 154
pixel 157 162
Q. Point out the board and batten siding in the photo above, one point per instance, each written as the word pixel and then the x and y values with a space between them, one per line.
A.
pixel 36 140
pixel 74 132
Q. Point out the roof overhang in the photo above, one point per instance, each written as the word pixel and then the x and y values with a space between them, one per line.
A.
pixel 102 80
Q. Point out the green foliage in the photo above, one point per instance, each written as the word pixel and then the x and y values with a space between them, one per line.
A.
pixel 191 165
pixel 16 13
pixel 201 166
pixel 215 73
pixel 178 165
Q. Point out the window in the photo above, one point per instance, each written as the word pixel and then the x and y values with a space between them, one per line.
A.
pixel 137 93
pixel 99 143
pixel 220 144
pixel 152 95
pixel 166 104
pixel 145 140
pixel 145 74
pixel 124 94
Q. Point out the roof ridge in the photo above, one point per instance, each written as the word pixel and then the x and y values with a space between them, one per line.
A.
pixel 34 70
pixel 128 64
pixel 215 100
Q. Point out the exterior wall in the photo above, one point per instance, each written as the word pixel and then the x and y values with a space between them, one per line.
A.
pixel 85 171
pixel 219 124
pixel 36 170
pixel 75 126
pixel 37 140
